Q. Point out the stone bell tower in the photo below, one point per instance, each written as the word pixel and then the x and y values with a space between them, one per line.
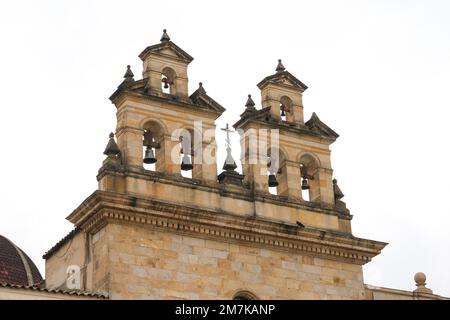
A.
pixel 302 148
pixel 151 232
pixel 157 113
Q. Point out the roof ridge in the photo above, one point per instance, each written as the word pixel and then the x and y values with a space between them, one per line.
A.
pixel 60 291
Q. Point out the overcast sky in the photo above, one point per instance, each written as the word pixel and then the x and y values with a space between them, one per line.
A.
pixel 378 74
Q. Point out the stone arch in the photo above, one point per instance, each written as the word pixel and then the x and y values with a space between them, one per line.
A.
pixel 145 123
pixel 286 105
pixel 245 295
pixel 153 144
pixel 309 170
pixel 276 159
pixel 168 80
pixel 282 153
pixel 308 154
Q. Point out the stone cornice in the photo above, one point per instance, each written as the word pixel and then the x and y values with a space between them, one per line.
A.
pixel 106 207
pixel 243 193
pixel 251 118
pixel 121 94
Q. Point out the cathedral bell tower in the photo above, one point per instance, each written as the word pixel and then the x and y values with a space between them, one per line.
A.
pixel 159 123
pixel 152 231
pixel 303 171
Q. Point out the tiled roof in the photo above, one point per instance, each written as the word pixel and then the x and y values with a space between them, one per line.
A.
pixel 15 266
pixel 61 242
pixel 55 291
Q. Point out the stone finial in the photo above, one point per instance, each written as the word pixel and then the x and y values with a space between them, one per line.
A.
pixel 280 67
pixel 229 164
pixel 111 148
pixel 200 88
pixel 129 76
pixel 165 37
pixel 338 195
pixel 250 105
pixel 420 278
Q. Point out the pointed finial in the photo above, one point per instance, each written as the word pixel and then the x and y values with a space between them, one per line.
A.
pixel 338 195
pixel 280 67
pixel 200 88
pixel 111 148
pixel 250 105
pixel 165 37
pixel 129 76
pixel 230 164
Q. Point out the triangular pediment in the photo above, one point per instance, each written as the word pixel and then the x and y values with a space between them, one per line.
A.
pixel 200 98
pixel 317 126
pixel 283 78
pixel 167 48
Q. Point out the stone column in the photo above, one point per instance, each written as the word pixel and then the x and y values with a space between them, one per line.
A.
pixel 129 141
pixel 289 179
pixel 206 170
pixel 325 176
pixel 171 148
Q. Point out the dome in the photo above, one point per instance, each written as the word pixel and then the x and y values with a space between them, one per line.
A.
pixel 15 266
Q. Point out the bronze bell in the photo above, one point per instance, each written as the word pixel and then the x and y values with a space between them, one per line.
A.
pixel 272 181
pixel 186 163
pixel 149 156
pixel 166 82
pixel 305 185
pixel 283 110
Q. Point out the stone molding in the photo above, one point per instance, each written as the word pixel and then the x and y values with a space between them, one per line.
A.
pixel 244 193
pixel 103 207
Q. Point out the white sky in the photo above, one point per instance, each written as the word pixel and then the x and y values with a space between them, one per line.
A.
pixel 378 74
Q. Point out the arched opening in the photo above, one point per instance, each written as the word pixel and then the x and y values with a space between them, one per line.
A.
pixel 151 143
pixel 286 108
pixel 309 174
pixel 245 295
pixel 274 160
pixel 186 153
pixel 168 76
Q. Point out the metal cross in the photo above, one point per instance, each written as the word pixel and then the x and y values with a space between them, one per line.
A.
pixel 227 130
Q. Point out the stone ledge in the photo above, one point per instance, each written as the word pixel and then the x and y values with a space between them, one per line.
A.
pixel 103 207
pixel 238 192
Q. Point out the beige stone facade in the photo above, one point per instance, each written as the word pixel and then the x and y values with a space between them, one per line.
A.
pixel 154 234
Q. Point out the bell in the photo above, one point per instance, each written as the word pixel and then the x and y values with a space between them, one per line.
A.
pixel 283 110
pixel 272 181
pixel 305 185
pixel 149 156
pixel 166 83
pixel 186 163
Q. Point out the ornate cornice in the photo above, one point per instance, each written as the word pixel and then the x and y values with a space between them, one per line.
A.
pixel 106 207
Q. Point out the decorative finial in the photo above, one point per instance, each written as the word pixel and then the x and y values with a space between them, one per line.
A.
pixel 250 105
pixel 200 88
pixel 129 76
pixel 111 148
pixel 338 195
pixel 280 67
pixel 420 278
pixel 165 37
pixel 229 164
